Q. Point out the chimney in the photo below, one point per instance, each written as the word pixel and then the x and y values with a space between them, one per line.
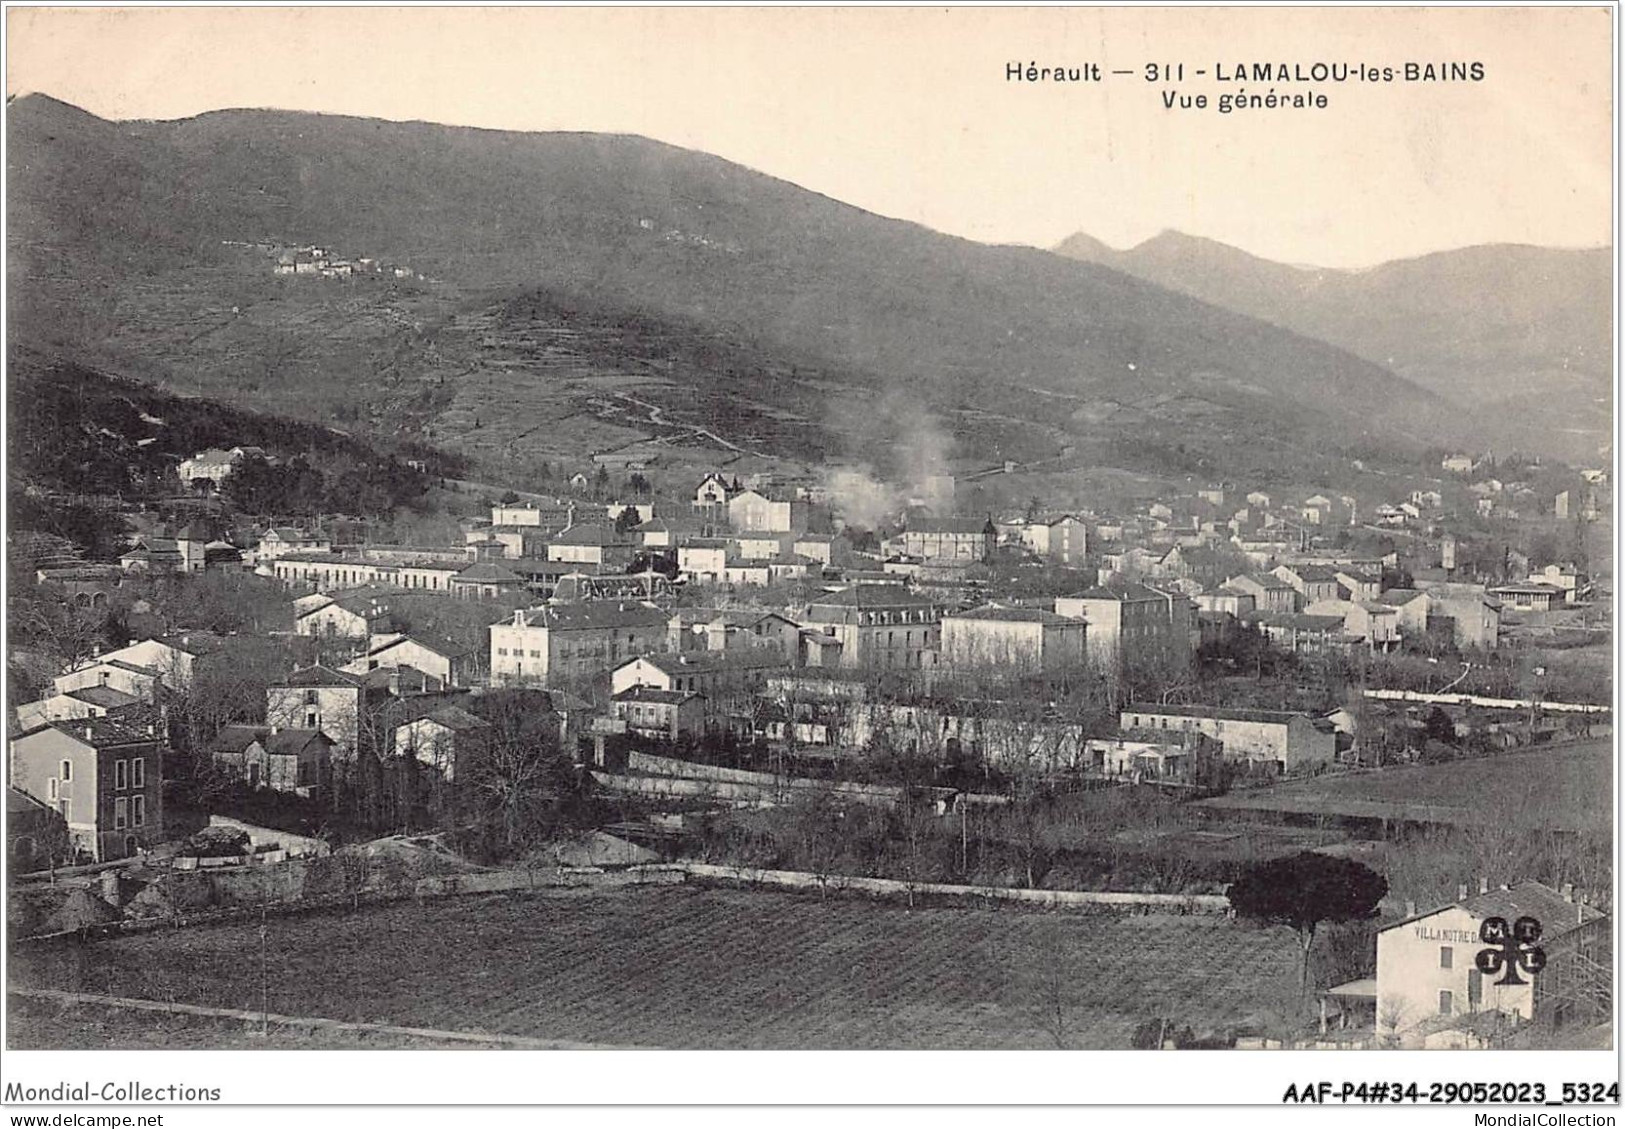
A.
pixel 1568 891
pixel 1410 909
pixel 1484 885
pixel 1461 892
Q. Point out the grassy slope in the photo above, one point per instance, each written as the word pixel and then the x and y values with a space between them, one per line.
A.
pixel 1570 786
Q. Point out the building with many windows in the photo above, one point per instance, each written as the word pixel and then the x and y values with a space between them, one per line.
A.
pixel 545 645
pixel 102 775
pixel 1131 622
pixel 881 626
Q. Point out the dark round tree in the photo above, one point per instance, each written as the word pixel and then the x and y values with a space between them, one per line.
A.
pixel 1304 890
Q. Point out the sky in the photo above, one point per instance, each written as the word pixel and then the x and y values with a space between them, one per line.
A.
pixel 908 112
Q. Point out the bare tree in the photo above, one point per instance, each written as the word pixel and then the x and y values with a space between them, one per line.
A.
pixel 1393 1011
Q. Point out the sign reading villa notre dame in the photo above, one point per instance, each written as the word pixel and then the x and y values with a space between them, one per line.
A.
pixel 1465 936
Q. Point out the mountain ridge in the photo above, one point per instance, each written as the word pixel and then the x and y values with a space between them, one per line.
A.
pixel 1516 335
pixel 975 330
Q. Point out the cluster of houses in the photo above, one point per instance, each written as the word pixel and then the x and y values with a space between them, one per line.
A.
pixel 314 261
pixel 794 618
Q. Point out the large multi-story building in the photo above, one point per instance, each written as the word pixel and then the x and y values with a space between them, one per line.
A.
pixel 956 539
pixel 753 512
pixel 1270 593
pixel 1312 583
pixel 547 645
pixel 877 625
pixel 104 776
pixel 1014 640
pixel 593 544
pixel 1063 540
pixel 1131 623
pixel 324 572
pixel 1458 615
pixel 1292 742
pixel 716 674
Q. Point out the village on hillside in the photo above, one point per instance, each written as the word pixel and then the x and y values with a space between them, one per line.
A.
pixel 724 680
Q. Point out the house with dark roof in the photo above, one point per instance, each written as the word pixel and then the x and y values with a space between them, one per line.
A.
pixel 662 714
pixel 729 629
pixel 1014 640
pixel 712 494
pixel 1529 596
pixel 1311 582
pixel 716 674
pixel 447 662
pixel 1302 633
pixel 299 761
pixel 102 775
pixel 153 555
pixel 1270 593
pixel 486 580
pixel 1427 963
pixel 335 702
pixel 87 701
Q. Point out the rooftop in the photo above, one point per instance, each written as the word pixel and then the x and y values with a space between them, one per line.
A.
pixel 599 615
pixel 659 697
pixel 1126 592
pixel 591 533
pixel 291 742
pixel 1275 717
pixel 701 662
pixel 318 675
pixel 106 731
pixel 951 525
pixel 487 573
pixel 456 718
pixel 106 697
pixel 873 596
pixel 1001 613
pixel 1262 579
pixel 1556 914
